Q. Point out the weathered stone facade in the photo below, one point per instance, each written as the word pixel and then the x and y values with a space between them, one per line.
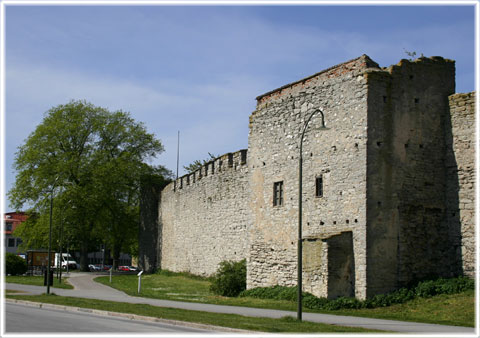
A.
pixel 388 186
pixel 460 165
pixel 203 216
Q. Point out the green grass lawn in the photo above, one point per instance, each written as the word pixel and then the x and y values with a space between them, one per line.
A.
pixel 289 325
pixel 38 280
pixel 456 309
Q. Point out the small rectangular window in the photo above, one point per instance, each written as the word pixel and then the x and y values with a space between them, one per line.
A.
pixel 278 193
pixel 319 186
pixel 8 226
pixel 243 157
pixel 11 242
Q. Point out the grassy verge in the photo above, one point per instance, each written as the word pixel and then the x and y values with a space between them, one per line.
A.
pixel 288 324
pixel 38 280
pixel 183 287
pixel 456 309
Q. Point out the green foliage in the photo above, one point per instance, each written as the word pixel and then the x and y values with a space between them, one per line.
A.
pixel 197 164
pixel 444 286
pixel 91 160
pixel 14 265
pixel 424 289
pixel 230 279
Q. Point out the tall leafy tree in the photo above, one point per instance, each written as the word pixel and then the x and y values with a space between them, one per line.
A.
pixel 91 159
pixel 120 166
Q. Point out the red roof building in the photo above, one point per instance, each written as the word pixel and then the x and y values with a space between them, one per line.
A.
pixel 11 221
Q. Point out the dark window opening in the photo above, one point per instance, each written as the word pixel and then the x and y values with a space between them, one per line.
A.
pixel 278 193
pixel 243 156
pixel 319 186
pixel 8 226
pixel 11 242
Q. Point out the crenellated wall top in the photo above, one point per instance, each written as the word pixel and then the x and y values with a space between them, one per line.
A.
pixel 221 164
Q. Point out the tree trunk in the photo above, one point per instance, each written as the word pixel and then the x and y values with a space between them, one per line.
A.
pixel 115 256
pixel 84 257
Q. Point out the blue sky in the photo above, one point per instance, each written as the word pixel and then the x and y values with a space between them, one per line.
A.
pixel 198 69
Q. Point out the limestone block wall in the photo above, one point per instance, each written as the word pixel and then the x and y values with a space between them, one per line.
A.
pixel 460 164
pixel 337 155
pixel 396 171
pixel 407 232
pixel 204 216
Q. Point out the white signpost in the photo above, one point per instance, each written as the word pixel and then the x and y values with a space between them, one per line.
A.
pixel 139 280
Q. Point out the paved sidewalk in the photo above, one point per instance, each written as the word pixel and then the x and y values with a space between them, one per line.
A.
pixel 85 287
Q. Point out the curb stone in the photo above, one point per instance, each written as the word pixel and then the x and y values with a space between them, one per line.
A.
pixel 127 316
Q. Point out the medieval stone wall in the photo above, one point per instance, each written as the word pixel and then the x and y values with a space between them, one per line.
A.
pixel 204 216
pixel 407 231
pixel 460 164
pixel 396 171
pixel 337 155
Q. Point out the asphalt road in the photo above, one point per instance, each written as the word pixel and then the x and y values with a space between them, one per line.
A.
pixel 26 319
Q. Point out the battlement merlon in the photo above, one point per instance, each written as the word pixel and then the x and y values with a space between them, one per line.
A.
pixel 228 161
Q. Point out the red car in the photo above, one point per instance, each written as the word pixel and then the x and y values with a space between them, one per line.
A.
pixel 123 268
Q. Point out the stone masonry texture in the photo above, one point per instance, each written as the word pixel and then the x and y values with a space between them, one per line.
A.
pixel 388 186
pixel 460 166
pixel 204 217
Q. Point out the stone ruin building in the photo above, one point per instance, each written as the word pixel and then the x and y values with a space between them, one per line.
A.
pixel 388 188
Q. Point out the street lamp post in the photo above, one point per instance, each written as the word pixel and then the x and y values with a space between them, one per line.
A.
pixel 50 236
pixel 61 250
pixel 299 244
pixel 49 242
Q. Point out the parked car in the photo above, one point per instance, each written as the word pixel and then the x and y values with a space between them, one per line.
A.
pixel 127 268
pixel 95 267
